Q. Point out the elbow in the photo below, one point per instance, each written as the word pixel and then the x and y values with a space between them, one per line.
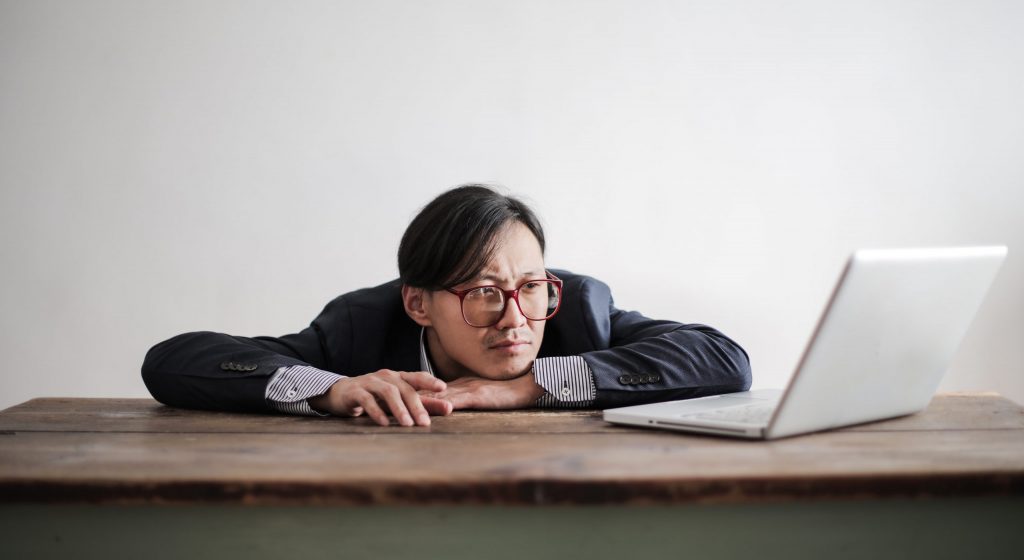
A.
pixel 151 378
pixel 725 362
pixel 731 363
pixel 744 377
pixel 152 372
pixel 739 370
pixel 161 363
pixel 729 360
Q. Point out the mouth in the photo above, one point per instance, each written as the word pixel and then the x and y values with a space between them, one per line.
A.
pixel 509 345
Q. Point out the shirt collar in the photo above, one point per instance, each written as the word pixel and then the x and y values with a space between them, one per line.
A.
pixel 425 364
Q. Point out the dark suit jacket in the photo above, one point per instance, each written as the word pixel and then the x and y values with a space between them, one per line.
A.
pixel 634 359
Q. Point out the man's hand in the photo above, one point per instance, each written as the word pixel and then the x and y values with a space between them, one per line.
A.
pixel 395 390
pixel 479 393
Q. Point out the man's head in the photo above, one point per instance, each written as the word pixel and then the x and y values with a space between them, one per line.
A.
pixel 468 237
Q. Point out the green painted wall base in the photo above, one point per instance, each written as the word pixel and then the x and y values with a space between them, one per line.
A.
pixel 936 528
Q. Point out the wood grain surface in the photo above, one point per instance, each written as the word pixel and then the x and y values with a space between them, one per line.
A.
pixel 131 451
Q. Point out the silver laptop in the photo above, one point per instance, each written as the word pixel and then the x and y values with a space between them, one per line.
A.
pixel 883 343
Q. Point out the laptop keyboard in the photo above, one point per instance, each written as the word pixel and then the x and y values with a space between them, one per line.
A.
pixel 756 413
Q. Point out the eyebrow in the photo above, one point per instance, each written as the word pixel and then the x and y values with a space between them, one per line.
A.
pixel 495 278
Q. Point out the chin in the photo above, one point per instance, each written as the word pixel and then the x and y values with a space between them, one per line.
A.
pixel 510 372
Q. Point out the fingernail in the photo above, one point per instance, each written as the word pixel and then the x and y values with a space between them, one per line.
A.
pixel 425 419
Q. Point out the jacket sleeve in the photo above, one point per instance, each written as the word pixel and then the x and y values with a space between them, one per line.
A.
pixel 217 371
pixel 648 360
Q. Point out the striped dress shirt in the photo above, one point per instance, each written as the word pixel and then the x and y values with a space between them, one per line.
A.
pixel 567 382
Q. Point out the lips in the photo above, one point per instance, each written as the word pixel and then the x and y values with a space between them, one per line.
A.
pixel 509 343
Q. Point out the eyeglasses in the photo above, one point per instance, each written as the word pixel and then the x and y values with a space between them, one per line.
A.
pixel 484 306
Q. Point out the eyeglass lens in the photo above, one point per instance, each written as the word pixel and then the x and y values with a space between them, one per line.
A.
pixel 485 306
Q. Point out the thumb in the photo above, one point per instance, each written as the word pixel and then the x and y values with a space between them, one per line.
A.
pixel 436 406
pixel 423 381
pixel 460 399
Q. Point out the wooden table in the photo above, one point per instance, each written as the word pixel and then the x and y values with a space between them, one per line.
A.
pixel 95 475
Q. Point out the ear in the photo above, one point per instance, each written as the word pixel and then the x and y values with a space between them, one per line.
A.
pixel 415 303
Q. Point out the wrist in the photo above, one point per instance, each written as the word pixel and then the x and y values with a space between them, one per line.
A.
pixel 318 403
pixel 322 403
pixel 534 390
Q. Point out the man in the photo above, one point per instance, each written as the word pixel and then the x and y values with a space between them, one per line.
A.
pixel 475 320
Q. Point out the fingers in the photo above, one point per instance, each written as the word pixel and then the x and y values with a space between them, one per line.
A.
pixel 461 400
pixel 421 380
pixel 437 407
pixel 373 410
pixel 393 398
pixel 395 392
pixel 414 404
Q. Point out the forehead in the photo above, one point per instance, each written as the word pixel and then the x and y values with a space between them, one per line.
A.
pixel 517 254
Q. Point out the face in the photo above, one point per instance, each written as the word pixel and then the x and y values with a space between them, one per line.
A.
pixel 503 351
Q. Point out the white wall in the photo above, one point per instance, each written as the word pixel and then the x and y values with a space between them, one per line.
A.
pixel 232 166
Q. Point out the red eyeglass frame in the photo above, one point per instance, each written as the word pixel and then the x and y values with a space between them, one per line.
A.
pixel 510 295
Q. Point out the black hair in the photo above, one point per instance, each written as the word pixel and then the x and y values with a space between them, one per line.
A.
pixel 453 237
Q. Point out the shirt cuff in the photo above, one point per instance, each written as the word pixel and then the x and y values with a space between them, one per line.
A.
pixel 289 388
pixel 567 380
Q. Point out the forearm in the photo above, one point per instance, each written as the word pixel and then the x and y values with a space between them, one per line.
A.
pixel 566 382
pixel 686 361
pixel 212 371
pixel 301 390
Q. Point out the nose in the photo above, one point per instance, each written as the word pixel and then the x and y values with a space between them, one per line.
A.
pixel 513 318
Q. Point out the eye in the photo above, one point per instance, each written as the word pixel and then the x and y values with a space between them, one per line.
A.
pixel 484 292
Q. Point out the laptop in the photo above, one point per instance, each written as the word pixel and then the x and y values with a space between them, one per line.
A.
pixel 880 349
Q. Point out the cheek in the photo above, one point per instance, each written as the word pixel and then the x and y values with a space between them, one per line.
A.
pixel 446 317
pixel 461 338
pixel 538 330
